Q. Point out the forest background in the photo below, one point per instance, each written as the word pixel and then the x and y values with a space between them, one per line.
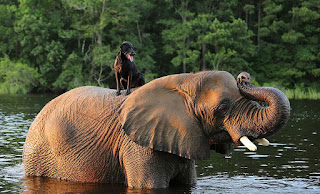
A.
pixel 57 45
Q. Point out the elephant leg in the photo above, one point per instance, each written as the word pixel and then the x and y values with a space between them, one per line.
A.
pixel 187 175
pixel 144 171
pixel 146 168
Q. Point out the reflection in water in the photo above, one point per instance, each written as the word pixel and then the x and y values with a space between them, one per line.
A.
pixel 290 164
pixel 209 184
pixel 40 184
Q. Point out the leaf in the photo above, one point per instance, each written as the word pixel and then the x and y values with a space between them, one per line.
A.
pixel 292 36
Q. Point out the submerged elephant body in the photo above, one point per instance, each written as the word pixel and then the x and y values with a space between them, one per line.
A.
pixel 83 141
pixel 146 139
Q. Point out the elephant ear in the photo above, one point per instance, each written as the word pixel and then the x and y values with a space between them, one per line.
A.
pixel 155 116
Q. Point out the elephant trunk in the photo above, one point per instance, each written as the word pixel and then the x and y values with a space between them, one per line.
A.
pixel 258 121
pixel 269 119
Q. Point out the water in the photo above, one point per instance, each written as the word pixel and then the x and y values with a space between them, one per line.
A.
pixel 289 165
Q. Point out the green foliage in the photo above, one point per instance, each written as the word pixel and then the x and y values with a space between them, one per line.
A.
pixel 71 75
pixel 7 38
pixel 292 37
pixel 302 93
pixel 16 77
pixel 232 45
pixel 177 36
pixel 75 42
pixel 288 43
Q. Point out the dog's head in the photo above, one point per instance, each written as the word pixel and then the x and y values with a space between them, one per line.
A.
pixel 126 49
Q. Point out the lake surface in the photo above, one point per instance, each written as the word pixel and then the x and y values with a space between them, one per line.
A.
pixel 291 164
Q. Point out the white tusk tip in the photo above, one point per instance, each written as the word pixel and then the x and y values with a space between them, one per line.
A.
pixel 263 141
pixel 246 142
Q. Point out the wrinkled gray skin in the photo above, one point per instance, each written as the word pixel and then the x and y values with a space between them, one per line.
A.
pixel 153 136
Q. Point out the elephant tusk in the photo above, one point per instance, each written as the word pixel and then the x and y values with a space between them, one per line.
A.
pixel 246 142
pixel 263 141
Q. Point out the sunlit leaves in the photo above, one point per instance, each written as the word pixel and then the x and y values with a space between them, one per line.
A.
pixel 16 77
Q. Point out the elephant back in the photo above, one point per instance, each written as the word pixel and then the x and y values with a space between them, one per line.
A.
pixel 61 139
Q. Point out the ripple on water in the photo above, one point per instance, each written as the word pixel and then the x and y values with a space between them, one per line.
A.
pixel 315 175
pixel 254 184
pixel 257 156
pixel 298 162
pixel 12 174
pixel 277 144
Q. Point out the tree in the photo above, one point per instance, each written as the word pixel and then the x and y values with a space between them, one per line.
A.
pixel 8 37
pixel 100 27
pixel 71 75
pixel 177 35
pixel 231 45
pixel 37 26
pixel 17 77
pixel 201 27
pixel 74 42
pixel 289 43
pixel 303 41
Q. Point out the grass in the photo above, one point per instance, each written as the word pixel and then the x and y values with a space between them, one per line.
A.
pixel 4 89
pixel 299 93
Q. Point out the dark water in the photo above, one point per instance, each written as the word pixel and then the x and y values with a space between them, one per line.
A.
pixel 291 164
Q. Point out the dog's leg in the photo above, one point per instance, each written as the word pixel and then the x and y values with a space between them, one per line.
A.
pixel 118 83
pixel 123 84
pixel 129 83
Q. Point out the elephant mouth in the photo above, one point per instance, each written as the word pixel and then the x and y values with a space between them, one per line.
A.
pixel 223 138
pixel 220 137
pixel 250 145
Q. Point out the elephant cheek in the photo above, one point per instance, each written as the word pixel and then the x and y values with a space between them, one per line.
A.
pixel 237 131
pixel 234 131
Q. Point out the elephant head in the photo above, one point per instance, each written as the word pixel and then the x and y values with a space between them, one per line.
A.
pixel 183 114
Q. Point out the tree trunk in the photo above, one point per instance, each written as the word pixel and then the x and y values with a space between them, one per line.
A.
pixel 247 17
pixel 259 20
pixel 139 33
pixel 184 65
pixel 216 66
pixel 204 49
pixel 99 38
pixel 184 6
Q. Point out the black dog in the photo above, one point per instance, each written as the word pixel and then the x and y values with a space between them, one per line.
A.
pixel 127 73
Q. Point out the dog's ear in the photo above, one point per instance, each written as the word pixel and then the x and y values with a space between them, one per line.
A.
pixel 124 47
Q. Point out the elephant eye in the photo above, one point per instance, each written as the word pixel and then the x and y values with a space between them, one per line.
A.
pixel 221 109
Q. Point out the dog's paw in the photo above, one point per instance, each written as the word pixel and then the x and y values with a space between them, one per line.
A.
pixel 128 92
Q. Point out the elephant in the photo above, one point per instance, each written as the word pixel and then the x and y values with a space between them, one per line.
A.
pixel 152 137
